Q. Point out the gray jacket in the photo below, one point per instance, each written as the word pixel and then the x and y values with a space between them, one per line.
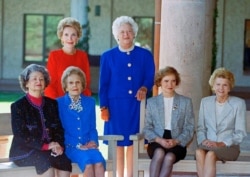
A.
pixel 231 129
pixel 182 121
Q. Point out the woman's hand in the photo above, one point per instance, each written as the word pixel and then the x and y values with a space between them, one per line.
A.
pixel 105 114
pixel 56 148
pixel 141 93
pixel 167 143
pixel 213 144
pixel 89 145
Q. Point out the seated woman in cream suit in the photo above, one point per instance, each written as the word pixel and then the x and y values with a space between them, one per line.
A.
pixel 221 125
pixel 169 124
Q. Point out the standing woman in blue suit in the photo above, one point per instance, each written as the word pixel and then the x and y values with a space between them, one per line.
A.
pixel 126 76
pixel 221 125
pixel 169 124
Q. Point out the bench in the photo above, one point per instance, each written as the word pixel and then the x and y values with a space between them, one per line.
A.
pixel 141 161
pixel 9 169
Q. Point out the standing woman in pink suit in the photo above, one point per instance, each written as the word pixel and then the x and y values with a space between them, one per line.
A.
pixel 69 31
pixel 126 77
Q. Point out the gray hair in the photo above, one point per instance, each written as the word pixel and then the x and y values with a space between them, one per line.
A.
pixel 119 21
pixel 25 75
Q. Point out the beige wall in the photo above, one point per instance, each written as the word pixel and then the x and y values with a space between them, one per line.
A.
pixel 101 34
pixel 230 37
pixel 230 33
pixel 13 11
pixel 101 38
pixel 11 28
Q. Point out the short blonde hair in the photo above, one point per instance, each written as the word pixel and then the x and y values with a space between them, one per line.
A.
pixel 73 70
pixel 119 21
pixel 222 73
pixel 168 70
pixel 69 22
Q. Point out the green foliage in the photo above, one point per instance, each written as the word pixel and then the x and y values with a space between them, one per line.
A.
pixel 83 44
pixel 145 33
pixel 10 96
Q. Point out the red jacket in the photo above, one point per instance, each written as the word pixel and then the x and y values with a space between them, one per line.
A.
pixel 58 61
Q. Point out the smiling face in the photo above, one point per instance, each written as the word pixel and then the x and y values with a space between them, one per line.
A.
pixel 74 85
pixel 168 85
pixel 69 37
pixel 221 87
pixel 125 36
pixel 36 82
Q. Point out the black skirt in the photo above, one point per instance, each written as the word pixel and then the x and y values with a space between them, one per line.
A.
pixel 42 160
pixel 179 151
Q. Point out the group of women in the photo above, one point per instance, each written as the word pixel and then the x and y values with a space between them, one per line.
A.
pixel 54 130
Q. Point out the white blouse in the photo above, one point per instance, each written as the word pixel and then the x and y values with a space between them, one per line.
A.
pixel 168 105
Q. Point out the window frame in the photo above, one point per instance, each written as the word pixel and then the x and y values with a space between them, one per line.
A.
pixel 152 28
pixel 44 55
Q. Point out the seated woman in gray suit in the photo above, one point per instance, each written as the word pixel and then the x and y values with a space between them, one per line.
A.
pixel 221 124
pixel 169 124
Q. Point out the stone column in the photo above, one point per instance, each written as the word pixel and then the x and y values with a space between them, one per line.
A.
pixel 79 10
pixel 186 44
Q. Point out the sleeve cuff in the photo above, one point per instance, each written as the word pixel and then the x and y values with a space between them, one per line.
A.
pixel 45 147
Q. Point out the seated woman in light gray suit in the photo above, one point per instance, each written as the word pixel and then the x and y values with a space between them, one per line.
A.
pixel 221 125
pixel 169 124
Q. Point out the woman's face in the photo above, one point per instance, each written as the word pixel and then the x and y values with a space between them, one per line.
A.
pixel 125 35
pixel 36 82
pixel 168 85
pixel 74 85
pixel 69 37
pixel 221 87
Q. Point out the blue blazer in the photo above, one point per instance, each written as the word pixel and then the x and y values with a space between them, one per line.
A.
pixel 80 128
pixel 231 129
pixel 182 121
pixel 121 75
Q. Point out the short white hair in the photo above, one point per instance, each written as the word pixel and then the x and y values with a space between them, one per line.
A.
pixel 119 21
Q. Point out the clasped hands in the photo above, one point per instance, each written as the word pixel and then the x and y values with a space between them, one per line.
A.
pixel 89 145
pixel 56 149
pixel 213 144
pixel 167 143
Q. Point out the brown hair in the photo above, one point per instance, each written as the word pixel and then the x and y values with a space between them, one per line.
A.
pixel 73 70
pixel 69 22
pixel 168 70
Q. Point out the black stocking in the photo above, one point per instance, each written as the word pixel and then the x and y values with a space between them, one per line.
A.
pixel 167 165
pixel 155 164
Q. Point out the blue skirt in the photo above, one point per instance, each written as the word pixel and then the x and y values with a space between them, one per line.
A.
pixel 124 119
pixel 85 157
